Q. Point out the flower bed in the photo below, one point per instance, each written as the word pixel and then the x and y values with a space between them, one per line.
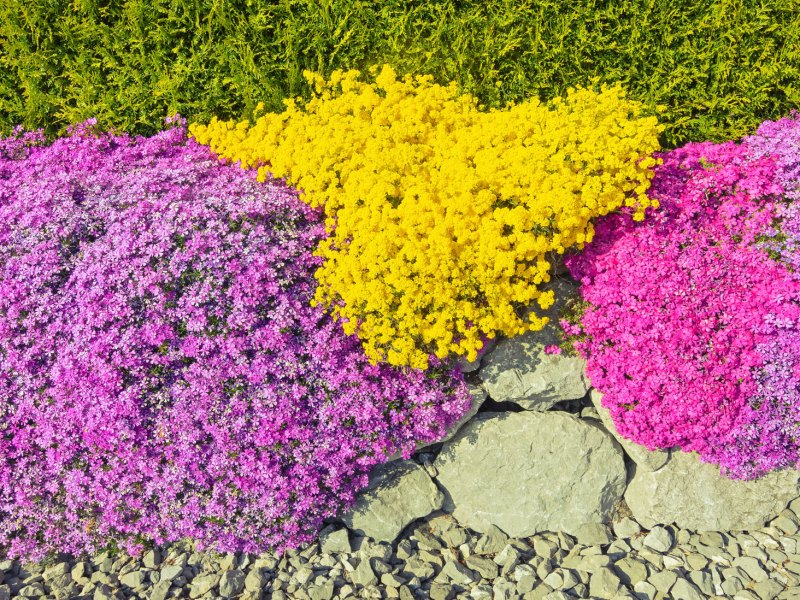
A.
pixel 691 330
pixel 443 218
pixel 162 371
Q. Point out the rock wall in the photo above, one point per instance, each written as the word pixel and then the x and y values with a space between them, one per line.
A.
pixel 538 452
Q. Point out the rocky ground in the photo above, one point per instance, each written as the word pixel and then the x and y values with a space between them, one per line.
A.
pixel 437 558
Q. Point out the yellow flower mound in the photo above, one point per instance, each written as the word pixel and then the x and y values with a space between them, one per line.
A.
pixel 440 215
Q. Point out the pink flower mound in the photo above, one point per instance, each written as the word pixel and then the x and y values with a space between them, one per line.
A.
pixel 683 310
pixel 162 373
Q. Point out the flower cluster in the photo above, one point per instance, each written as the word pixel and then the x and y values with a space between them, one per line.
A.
pixel 162 372
pixel 441 215
pixel 693 327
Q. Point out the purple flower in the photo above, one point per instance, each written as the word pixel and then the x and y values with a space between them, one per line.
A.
pixel 163 373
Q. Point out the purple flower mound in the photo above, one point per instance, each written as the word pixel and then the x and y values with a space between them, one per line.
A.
pixel 693 320
pixel 162 372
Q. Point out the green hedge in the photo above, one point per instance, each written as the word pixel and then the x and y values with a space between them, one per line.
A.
pixel 718 66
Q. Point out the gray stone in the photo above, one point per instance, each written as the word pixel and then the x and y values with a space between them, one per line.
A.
pixel 659 539
pixel 363 575
pixel 151 559
pixel 525 576
pixel 170 572
pixel 399 492
pixel 405 549
pixel 323 591
pixel 768 589
pixel 227 562
pixel 518 370
pixel 554 580
pixel 492 541
pixel 570 579
pixel 626 528
pixel 334 540
pixel 752 567
pixel 545 548
pixel 631 570
pixel 663 580
pixel 685 590
pixel 81 570
pixel 593 534
pixel 716 555
pixel 767 537
pixel 694 495
pixel 427 541
pixel 102 592
pixel 160 590
pixel 203 584
pixel 604 583
pixel 393 581
pixel 581 591
pixel 441 591
pixel 503 590
pixel 696 562
pixel 481 592
pixel 590 412
pixel 231 583
pixel 55 571
pixel 547 472
pixel 134 579
pixel 645 590
pixel 731 585
pixel 558 595
pixel 32 590
pixel 648 460
pixel 712 538
pixel 303 576
pixel 703 581
pixel 618 549
pixel 454 537
pixel 380 550
pixel 485 567
pixel 418 568
pixel 591 563
pixel 458 573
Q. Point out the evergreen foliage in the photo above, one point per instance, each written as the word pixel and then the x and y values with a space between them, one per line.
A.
pixel 719 67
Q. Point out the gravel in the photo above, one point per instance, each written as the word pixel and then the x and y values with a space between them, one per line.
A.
pixel 439 558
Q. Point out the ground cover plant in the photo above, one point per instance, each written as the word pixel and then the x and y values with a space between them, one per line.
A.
pixel 162 372
pixel 443 218
pixel 719 67
pixel 692 329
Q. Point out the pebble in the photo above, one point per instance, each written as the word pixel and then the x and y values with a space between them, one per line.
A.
pixel 593 534
pixel 631 570
pixel 440 558
pixel 626 528
pixel 604 583
pixel 335 541
pixel 659 539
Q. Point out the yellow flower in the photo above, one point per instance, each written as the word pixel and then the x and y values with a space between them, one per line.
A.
pixel 440 214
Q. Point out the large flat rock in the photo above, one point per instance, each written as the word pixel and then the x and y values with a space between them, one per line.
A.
pixel 527 472
pixel 518 369
pixel 399 492
pixel 694 495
